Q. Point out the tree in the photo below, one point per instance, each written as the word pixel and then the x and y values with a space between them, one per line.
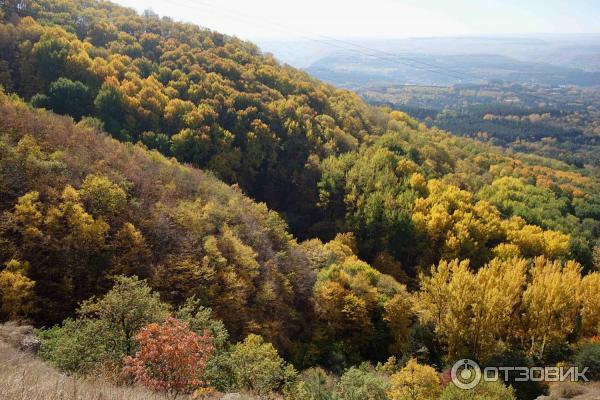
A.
pixel 105 328
pixel 16 291
pixel 350 300
pixel 200 320
pixel 590 304
pixel 551 303
pixel 171 358
pixel 69 97
pixel 596 256
pixel 50 55
pixel 455 225
pixel 361 384
pixel 102 197
pixel 110 106
pixel 127 307
pixel 414 382
pixel 131 253
pixel 256 366
pixel 103 33
pixel 472 313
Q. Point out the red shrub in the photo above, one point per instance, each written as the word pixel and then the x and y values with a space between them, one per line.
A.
pixel 172 358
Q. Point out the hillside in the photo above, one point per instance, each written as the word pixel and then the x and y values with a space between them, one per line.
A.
pixel 218 103
pixel 42 382
pixel 208 99
pixel 303 243
pixel 560 122
pixel 78 207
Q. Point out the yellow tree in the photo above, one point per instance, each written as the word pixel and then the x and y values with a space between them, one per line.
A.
pixel 454 225
pixel 414 382
pixel 16 290
pixel 590 304
pixel 500 286
pixel 551 303
pixel 470 312
pixel 351 299
pixel 446 300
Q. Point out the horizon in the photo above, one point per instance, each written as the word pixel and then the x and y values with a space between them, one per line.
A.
pixel 267 20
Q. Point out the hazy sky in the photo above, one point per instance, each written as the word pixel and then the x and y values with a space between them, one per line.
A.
pixel 260 19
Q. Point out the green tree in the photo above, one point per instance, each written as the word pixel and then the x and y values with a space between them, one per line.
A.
pixel 69 97
pixel 361 384
pixel 256 366
pixel 50 55
pixel 313 384
pixel 127 307
pixel 110 107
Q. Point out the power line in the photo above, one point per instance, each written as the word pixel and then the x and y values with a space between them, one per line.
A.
pixel 342 44
pixel 385 56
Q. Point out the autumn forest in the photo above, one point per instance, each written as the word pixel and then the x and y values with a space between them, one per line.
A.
pixel 161 181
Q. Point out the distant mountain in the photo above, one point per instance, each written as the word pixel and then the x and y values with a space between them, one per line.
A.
pixel 353 71
pixel 544 59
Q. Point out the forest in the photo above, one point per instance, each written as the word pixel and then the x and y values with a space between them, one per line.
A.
pixel 555 121
pixel 180 211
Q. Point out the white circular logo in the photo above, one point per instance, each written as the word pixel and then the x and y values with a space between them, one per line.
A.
pixel 465 374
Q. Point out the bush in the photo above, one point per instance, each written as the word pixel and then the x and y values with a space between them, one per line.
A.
pixel 105 329
pixel 589 356
pixel 361 384
pixel 78 345
pixel 566 390
pixel 172 357
pixel 523 390
pixel 200 318
pixel 256 366
pixel 483 391
pixel 313 384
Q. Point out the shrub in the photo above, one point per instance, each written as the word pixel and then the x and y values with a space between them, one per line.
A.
pixel 361 384
pixel 483 391
pixel 105 329
pixel 566 390
pixel 78 345
pixel 256 366
pixel 172 357
pixel 313 384
pixel 523 390
pixel 589 356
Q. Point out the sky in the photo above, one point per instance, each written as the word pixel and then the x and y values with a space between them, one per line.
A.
pixel 276 19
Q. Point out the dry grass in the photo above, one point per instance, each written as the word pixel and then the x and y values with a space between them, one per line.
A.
pixel 574 391
pixel 25 377
pixel 13 333
pixel 22 377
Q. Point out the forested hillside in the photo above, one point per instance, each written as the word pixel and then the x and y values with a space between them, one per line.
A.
pixel 561 122
pixel 206 98
pixel 218 103
pixel 404 241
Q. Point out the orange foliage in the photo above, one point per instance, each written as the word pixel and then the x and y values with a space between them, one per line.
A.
pixel 172 357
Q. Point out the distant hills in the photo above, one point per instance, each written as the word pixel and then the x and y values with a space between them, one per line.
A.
pixel 544 59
